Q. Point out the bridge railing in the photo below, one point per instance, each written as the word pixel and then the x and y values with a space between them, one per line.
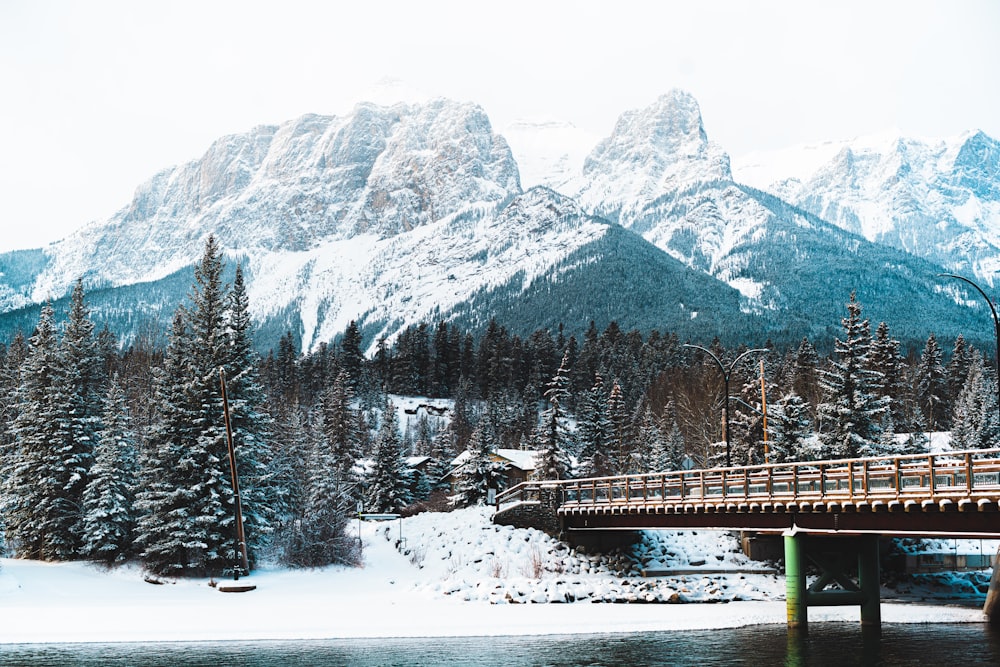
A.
pixel 916 476
pixel 527 492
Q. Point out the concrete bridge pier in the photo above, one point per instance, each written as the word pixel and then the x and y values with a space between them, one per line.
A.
pixel 836 558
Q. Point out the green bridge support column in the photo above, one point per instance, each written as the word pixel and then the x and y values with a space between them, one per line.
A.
pixel 795 582
pixel 834 557
pixel 868 581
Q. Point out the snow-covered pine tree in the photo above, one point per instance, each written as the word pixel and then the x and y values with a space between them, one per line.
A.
pixel 974 417
pixel 260 494
pixel 108 502
pixel 10 378
pixel 388 483
pixel 789 429
pixel 165 536
pixel 479 472
pixel 80 380
pixel 38 514
pixel 318 534
pixel 890 381
pixel 189 528
pixel 553 436
pixel 620 440
pixel 930 387
pixel 594 432
pixel 340 424
pixel 956 371
pixel 652 443
pixel 851 412
pixel 442 456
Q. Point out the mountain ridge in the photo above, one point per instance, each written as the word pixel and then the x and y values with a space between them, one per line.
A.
pixel 393 214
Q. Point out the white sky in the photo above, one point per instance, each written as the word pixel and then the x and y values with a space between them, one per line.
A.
pixel 97 96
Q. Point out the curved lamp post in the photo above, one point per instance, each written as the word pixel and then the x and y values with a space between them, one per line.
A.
pixel 726 373
pixel 996 321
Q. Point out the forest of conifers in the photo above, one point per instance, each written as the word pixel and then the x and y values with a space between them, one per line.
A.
pixel 120 454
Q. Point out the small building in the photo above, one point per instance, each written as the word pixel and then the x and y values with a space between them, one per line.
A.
pixel 520 466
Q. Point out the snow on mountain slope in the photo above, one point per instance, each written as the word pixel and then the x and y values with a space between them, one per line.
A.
pixel 934 199
pixel 380 170
pixel 660 149
pixel 406 278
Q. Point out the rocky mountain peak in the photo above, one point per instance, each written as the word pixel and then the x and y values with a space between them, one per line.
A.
pixel 663 139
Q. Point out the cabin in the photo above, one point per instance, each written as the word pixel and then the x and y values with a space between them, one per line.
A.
pixel 520 466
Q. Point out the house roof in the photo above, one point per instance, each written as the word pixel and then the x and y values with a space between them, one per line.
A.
pixel 523 459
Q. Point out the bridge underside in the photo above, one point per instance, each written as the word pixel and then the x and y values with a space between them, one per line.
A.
pixel 968 518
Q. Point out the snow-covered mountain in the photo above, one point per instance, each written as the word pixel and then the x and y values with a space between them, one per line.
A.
pixel 379 171
pixel 392 215
pixel 935 199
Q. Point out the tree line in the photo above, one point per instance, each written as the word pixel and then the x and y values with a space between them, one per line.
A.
pixel 118 454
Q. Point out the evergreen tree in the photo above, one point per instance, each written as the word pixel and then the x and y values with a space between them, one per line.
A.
pixel 388 482
pixel 319 535
pixel 478 473
pixel 553 437
pixel 890 377
pixel 975 422
pixel 620 449
pixel 789 429
pixel 251 425
pixel 164 534
pixel 340 433
pixel 39 514
pixel 189 527
pixel 79 378
pixel 594 432
pixel 108 502
pixel 851 413
pixel 930 385
pixel 956 372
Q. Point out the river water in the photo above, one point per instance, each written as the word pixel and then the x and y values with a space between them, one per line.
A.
pixel 834 644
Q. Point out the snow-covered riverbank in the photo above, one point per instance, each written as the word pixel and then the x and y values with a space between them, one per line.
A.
pixel 453 574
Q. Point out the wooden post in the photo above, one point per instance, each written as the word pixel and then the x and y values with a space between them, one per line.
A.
pixel 241 544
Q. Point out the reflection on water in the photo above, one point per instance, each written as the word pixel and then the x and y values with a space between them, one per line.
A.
pixel 834 644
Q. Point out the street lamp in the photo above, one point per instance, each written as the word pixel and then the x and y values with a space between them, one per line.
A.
pixel 996 322
pixel 726 373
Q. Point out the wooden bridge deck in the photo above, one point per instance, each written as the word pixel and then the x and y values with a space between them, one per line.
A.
pixel 946 494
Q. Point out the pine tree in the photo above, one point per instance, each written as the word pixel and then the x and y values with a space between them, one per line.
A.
pixel 594 432
pixel 620 445
pixel 956 372
pixel 889 381
pixel 387 484
pixel 319 533
pixel 164 536
pixel 930 384
pixel 478 473
pixel 189 526
pixel 340 424
pixel 975 424
pixel 38 513
pixel 108 502
pixel 851 413
pixel 553 436
pixel 251 425
pixel 790 429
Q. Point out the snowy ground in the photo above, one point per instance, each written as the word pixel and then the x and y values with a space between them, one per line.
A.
pixel 452 574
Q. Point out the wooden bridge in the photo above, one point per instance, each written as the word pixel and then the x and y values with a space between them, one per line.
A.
pixel 824 509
